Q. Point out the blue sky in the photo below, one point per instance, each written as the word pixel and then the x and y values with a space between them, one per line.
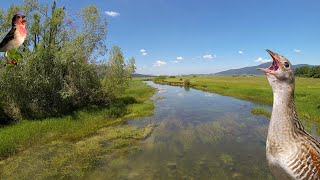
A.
pixel 207 36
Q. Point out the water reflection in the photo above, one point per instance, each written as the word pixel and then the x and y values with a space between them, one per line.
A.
pixel 199 135
pixel 187 88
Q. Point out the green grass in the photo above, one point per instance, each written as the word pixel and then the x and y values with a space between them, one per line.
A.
pixel 81 124
pixel 261 111
pixel 72 146
pixel 258 90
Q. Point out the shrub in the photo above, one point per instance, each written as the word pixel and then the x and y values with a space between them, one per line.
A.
pixel 186 82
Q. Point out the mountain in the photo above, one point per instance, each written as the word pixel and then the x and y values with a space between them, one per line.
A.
pixel 251 70
pixel 142 75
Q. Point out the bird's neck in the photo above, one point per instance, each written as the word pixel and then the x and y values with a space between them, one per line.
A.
pixel 284 119
pixel 22 30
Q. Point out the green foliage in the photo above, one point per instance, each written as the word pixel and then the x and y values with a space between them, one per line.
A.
pixel 308 71
pixel 134 103
pixel 15 55
pixel 115 80
pixel 130 68
pixel 172 77
pixel 58 73
pixel 186 82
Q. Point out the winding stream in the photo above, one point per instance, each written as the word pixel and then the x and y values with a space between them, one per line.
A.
pixel 198 135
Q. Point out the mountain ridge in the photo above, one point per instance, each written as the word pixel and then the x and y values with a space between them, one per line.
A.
pixel 251 70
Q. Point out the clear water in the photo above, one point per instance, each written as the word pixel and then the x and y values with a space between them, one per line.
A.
pixel 198 135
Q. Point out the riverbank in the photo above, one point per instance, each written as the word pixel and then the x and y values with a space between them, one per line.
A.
pixel 69 147
pixel 257 89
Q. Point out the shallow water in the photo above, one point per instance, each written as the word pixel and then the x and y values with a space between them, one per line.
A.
pixel 198 135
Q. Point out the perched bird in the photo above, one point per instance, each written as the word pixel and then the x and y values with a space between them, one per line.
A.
pixel 15 37
pixel 291 152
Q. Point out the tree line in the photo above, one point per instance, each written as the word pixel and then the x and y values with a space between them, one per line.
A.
pixel 308 71
pixel 60 71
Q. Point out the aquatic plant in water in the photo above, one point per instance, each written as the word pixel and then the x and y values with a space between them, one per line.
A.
pixel 226 159
pixel 210 132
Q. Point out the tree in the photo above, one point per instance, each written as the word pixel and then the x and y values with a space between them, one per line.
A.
pixel 57 75
pixel 115 80
pixel 130 68
pixel 307 71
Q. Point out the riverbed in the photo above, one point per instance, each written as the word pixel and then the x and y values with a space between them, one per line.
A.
pixel 197 135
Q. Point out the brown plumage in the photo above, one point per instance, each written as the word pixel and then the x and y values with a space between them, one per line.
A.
pixel 292 153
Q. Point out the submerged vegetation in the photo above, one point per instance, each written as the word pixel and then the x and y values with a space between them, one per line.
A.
pixel 257 89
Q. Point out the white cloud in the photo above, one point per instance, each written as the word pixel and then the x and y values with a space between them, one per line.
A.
pixel 209 56
pixel 112 13
pixel 261 60
pixel 159 63
pixel 297 50
pixel 143 50
pixel 180 58
pixel 240 52
pixel 175 61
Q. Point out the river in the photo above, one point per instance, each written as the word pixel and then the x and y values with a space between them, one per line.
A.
pixel 198 135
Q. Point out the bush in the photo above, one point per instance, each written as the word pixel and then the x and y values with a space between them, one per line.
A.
pixel 186 82
pixel 308 71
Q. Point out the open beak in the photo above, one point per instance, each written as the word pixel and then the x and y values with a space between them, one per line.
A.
pixel 275 64
pixel 23 16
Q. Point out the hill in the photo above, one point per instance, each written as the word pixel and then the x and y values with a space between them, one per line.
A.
pixel 252 70
pixel 142 75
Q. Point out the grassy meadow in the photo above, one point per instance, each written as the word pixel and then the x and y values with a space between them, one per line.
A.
pixel 69 146
pixel 258 90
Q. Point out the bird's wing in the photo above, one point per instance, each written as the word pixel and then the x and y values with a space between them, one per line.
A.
pixel 315 159
pixel 7 38
pixel 306 163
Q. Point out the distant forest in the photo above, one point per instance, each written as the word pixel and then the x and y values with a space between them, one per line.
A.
pixel 308 71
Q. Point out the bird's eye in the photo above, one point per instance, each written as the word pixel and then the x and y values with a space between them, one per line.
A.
pixel 286 64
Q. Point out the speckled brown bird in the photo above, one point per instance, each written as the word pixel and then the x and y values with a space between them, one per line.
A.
pixel 292 153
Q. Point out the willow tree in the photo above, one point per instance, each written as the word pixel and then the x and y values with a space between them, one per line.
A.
pixel 57 74
pixel 115 81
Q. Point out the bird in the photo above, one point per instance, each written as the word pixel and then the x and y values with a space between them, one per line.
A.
pixel 15 37
pixel 291 152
